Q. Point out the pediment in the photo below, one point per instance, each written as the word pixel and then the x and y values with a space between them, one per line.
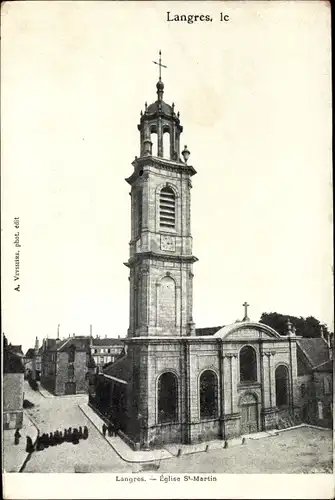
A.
pixel 248 331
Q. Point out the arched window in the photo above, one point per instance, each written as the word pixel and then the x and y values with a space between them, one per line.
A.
pixel 166 144
pixel 167 398
pixel 154 140
pixel 208 395
pixel 281 375
pixel 248 364
pixel 167 208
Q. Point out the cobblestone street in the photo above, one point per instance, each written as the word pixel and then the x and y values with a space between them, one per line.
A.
pixel 91 455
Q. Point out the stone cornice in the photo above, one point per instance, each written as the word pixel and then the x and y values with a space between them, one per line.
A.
pixel 170 340
pixel 161 257
pixel 160 163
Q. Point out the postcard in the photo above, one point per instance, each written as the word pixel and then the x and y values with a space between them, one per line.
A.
pixel 167 254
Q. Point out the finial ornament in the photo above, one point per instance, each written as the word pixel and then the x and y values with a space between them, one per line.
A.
pixel 246 317
pixel 186 154
pixel 289 325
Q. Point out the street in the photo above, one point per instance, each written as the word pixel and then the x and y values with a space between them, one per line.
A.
pixel 299 450
pixel 91 455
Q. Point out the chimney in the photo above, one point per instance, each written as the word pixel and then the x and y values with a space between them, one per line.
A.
pixel 118 336
pixel 322 333
pixel 58 332
pixel 330 345
pixel 91 331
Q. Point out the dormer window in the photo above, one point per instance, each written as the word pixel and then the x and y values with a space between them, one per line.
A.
pixel 167 208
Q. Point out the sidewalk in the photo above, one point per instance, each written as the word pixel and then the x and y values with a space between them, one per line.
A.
pixel 15 455
pixel 46 394
pixel 119 446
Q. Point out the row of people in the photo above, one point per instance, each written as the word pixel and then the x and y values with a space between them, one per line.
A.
pixel 69 435
pixel 112 428
pixel 45 440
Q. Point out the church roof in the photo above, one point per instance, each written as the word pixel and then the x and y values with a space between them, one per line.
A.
pixel 159 106
pixel 315 349
pixel 327 366
pixel 241 325
pixel 120 369
pixel 209 330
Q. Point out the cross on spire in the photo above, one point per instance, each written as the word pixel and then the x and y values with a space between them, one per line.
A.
pixel 245 305
pixel 159 63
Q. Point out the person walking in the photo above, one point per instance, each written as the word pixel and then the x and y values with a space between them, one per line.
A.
pixel 85 433
pixel 17 436
pixel 29 445
pixel 80 432
pixel 116 428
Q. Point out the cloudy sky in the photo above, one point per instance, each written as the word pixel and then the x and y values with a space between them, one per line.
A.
pixel 255 103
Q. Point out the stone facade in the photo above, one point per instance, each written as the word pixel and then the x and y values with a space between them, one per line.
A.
pixel 188 358
pixel 64 366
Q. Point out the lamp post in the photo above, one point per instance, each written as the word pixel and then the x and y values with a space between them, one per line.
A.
pixel 186 154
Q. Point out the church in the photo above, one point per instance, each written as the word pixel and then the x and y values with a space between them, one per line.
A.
pixel 173 385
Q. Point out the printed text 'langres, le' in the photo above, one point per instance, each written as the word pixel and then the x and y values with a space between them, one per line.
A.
pixel 195 18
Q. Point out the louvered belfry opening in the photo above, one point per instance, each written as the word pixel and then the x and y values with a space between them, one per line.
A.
pixel 167 208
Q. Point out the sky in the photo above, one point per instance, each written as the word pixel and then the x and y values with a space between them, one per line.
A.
pixel 254 97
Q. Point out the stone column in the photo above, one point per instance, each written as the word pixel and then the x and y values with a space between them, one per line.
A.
pixel 159 138
pixel 157 304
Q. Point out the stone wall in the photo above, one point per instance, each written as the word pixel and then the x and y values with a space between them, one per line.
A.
pixel 13 400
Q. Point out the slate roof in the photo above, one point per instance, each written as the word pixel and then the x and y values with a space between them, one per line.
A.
pixel 327 366
pixel 30 353
pixel 121 369
pixel 17 349
pixel 80 343
pixel 12 362
pixel 210 330
pixel 315 350
pixel 106 342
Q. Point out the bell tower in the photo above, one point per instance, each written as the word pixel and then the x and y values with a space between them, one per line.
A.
pixel 161 259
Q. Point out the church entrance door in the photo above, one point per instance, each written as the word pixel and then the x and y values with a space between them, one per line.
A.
pixel 249 414
pixel 70 388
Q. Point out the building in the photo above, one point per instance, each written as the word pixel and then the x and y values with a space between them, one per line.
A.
pixel 176 384
pixel 13 380
pixel 105 350
pixel 315 381
pixel 32 361
pixel 65 365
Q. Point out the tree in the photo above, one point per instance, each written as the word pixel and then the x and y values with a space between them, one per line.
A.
pixel 309 327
